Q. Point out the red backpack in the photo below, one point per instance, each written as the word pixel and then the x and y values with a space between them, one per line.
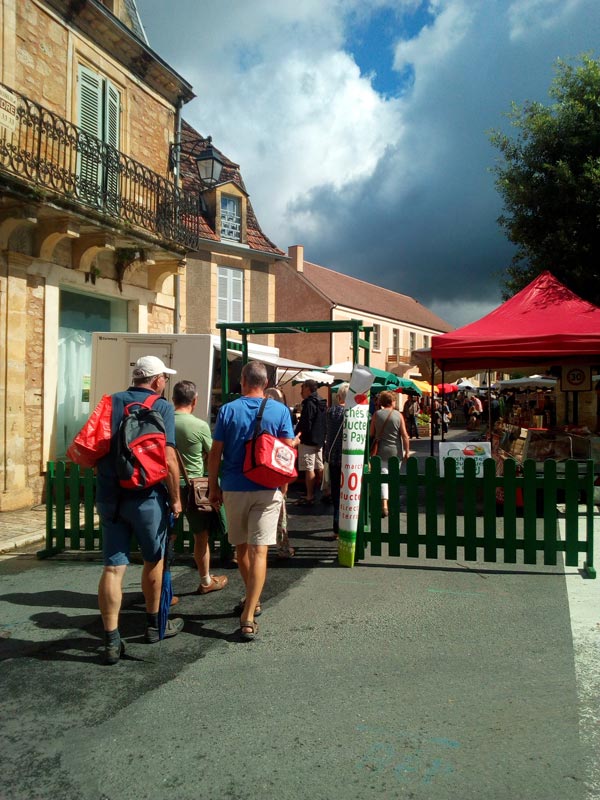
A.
pixel 141 446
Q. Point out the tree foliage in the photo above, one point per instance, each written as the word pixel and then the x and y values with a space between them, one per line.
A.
pixel 549 179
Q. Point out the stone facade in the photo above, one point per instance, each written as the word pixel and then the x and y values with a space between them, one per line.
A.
pixel 52 245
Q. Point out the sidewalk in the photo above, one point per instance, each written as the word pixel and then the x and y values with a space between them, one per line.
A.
pixel 21 529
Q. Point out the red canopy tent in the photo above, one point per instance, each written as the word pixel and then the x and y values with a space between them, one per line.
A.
pixel 544 324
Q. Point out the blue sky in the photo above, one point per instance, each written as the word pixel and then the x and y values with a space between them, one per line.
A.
pixel 361 125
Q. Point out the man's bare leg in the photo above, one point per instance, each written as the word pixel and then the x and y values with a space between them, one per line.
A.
pixel 110 594
pixel 152 584
pixel 255 556
pixel 309 478
pixel 202 553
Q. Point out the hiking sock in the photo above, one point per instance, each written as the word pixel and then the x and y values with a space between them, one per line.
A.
pixel 112 638
pixel 152 620
pixel 206 580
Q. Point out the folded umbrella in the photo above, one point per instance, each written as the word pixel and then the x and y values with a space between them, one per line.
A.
pixel 166 592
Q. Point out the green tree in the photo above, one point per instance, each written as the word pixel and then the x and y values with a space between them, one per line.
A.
pixel 549 179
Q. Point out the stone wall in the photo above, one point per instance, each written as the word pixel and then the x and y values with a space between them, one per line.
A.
pixel 46 70
pixel 160 319
pixel 34 386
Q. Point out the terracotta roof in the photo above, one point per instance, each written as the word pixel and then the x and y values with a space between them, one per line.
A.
pixel 192 141
pixel 342 290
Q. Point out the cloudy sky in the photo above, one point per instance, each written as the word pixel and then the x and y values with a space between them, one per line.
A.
pixel 360 125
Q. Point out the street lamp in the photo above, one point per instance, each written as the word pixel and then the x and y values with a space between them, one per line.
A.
pixel 209 162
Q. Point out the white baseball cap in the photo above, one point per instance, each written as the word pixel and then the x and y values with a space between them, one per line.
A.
pixel 148 366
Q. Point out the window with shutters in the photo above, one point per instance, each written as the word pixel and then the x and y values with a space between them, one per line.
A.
pixel 98 156
pixel 412 341
pixel 230 296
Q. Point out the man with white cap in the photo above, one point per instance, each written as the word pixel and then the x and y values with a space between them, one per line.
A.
pixel 143 513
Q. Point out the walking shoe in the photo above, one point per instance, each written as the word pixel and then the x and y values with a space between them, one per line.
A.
pixel 113 652
pixel 174 626
pixel 218 582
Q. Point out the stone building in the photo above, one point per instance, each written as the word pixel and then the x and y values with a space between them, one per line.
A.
pixel 234 267
pixel 93 229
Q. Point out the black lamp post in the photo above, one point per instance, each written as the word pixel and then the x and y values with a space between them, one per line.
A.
pixel 208 161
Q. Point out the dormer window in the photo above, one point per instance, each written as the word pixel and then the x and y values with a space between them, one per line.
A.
pixel 231 218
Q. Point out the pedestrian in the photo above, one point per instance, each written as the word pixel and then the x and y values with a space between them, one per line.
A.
pixel 388 428
pixel 252 510
pixel 311 430
pixel 194 441
pixel 143 513
pixel 284 549
pixel 411 413
pixel 332 450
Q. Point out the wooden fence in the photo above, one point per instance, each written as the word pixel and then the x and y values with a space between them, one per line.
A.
pixel 450 517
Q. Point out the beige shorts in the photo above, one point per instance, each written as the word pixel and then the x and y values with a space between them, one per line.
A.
pixel 252 516
pixel 310 457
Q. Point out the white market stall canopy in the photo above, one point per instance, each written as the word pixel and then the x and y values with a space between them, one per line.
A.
pixel 533 382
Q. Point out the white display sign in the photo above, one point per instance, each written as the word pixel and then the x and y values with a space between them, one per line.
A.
pixel 8 109
pixel 461 451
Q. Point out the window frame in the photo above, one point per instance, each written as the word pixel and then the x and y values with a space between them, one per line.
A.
pixel 235 223
pixel 377 337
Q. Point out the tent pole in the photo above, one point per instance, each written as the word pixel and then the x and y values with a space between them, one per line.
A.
pixel 442 404
pixel 489 404
pixel 431 412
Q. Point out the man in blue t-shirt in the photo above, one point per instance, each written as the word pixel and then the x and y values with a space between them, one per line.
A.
pixel 252 510
pixel 141 513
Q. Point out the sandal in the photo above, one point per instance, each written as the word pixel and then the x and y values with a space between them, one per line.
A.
pixel 305 501
pixel 238 609
pixel 248 629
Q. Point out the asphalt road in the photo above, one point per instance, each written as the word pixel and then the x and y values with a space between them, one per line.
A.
pixel 396 679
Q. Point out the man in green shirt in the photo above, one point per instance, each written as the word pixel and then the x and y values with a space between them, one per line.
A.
pixel 193 439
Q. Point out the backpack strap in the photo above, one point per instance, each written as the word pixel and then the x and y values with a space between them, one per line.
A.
pixel 257 427
pixel 259 417
pixel 147 403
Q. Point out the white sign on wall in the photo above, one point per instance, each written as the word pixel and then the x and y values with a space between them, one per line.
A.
pixel 8 109
pixel 461 451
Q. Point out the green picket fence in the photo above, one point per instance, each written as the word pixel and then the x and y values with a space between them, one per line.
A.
pixel 71 519
pixel 444 516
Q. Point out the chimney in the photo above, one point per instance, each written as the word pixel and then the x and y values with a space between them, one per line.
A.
pixel 296 254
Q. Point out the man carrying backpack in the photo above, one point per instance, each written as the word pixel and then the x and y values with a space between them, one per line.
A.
pixel 311 430
pixel 137 490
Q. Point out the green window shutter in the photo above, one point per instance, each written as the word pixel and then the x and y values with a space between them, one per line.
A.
pixel 112 103
pixel 89 172
pixel 90 102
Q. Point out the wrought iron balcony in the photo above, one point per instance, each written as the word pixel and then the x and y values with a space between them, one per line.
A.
pixel 45 150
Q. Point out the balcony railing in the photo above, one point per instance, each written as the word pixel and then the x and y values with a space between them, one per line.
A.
pixel 47 151
pixel 397 356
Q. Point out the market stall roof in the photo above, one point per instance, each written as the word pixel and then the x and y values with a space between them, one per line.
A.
pixel 545 323
pixel 533 382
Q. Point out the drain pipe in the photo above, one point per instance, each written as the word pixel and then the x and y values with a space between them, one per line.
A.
pixel 176 161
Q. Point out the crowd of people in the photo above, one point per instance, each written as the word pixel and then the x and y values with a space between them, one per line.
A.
pixel 256 516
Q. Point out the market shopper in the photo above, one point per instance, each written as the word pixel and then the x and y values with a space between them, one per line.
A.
pixel 388 428
pixel 252 510
pixel 194 441
pixel 143 513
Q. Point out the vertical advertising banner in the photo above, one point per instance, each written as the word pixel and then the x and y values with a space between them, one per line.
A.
pixel 354 438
